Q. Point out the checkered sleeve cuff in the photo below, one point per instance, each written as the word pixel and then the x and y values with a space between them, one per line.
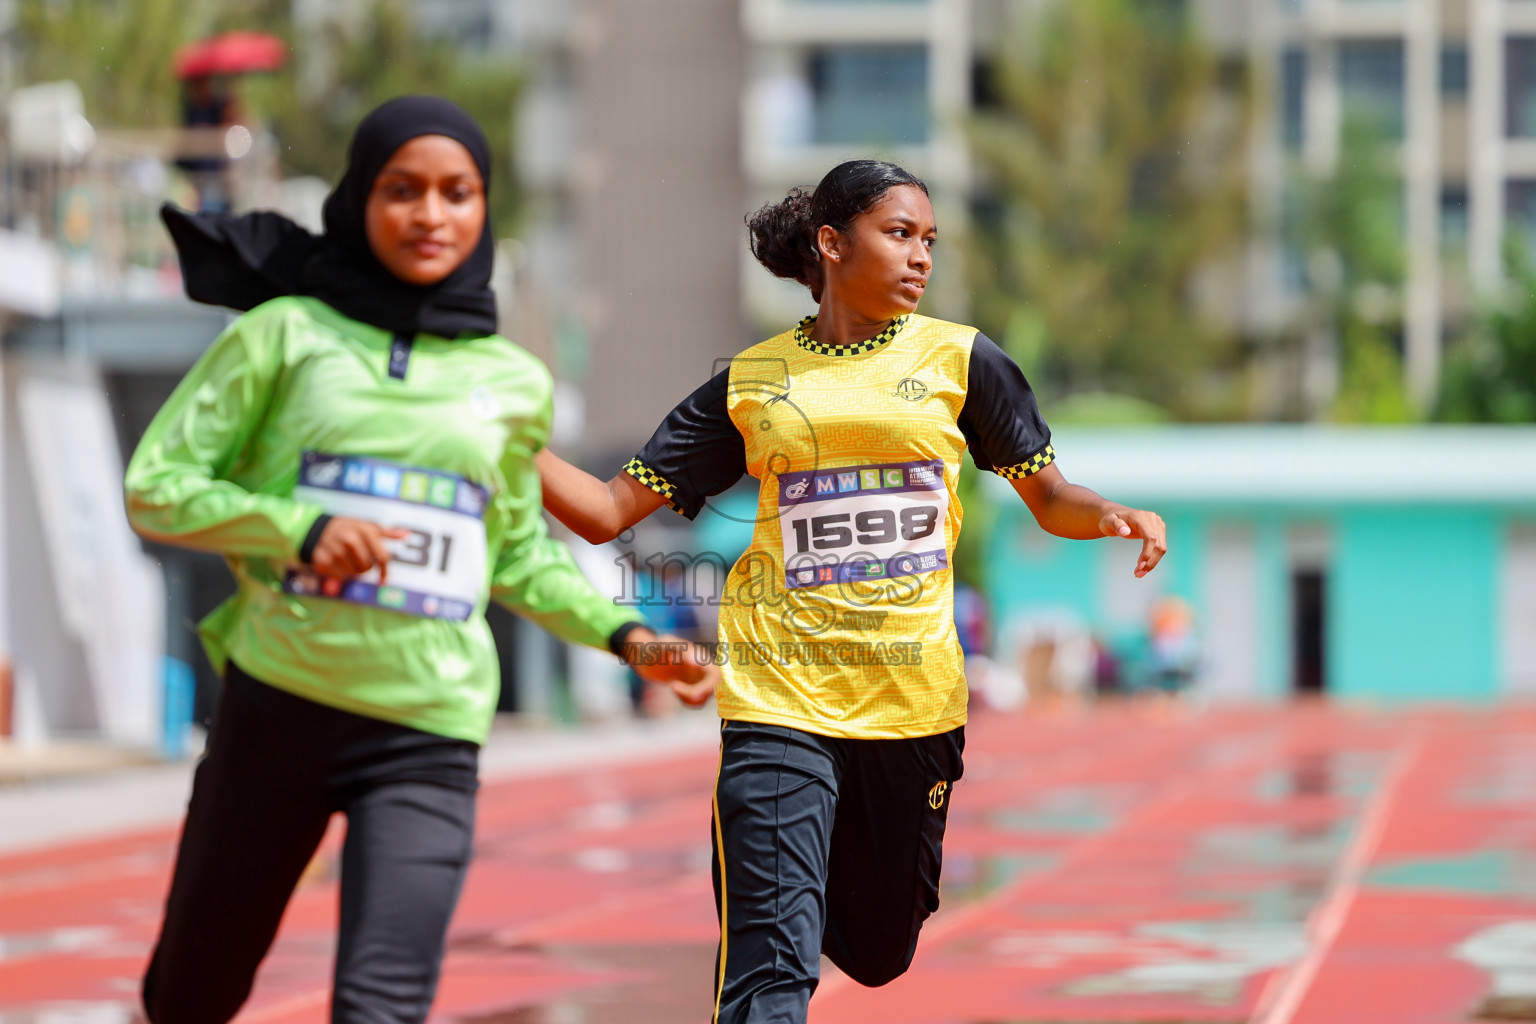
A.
pixel 655 481
pixel 1030 466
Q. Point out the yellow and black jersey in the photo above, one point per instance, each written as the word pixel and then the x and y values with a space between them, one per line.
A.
pixel 839 618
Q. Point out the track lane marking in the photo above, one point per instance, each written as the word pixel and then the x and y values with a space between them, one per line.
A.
pixel 1284 993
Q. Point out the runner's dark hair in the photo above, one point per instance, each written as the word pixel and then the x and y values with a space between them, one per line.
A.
pixel 782 235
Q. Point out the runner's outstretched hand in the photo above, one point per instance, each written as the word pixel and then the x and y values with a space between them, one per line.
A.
pixel 350 547
pixel 1138 523
pixel 671 661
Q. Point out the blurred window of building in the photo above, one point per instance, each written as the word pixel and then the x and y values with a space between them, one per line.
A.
pixel 1520 209
pixel 468 24
pixel 1371 82
pixel 531 24
pixel 1293 97
pixel 547 131
pixel 875 95
pixel 984 91
pixel 1453 217
pixel 1293 260
pixel 1520 87
pixel 786 106
pixel 1454 75
pixel 989 215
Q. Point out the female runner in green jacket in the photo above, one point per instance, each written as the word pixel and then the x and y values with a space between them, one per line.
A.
pixel 359 445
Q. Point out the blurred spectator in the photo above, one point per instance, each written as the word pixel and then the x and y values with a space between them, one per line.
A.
pixel 971 620
pixel 207 102
pixel 666 609
pixel 599 685
pixel 1108 673
pixel 1044 659
pixel 973 625
pixel 1173 646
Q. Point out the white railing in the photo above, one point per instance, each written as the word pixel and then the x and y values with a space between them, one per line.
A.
pixel 99 209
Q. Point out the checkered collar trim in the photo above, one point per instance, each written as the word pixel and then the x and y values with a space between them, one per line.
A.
pixel 853 349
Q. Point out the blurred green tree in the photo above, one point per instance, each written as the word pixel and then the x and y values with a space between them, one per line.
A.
pixel 121 54
pixel 118 53
pixel 1116 156
pixel 1350 233
pixel 1490 374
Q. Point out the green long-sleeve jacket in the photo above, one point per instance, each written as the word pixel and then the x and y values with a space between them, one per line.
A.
pixel 293 384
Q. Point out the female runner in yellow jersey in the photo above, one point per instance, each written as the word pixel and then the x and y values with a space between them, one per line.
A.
pixel 843 691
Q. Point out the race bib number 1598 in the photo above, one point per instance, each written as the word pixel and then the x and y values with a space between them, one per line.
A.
pixel 438 570
pixel 863 522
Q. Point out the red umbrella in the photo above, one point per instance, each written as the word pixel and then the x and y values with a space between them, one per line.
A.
pixel 232 53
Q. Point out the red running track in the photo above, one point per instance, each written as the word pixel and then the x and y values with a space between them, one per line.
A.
pixel 1298 866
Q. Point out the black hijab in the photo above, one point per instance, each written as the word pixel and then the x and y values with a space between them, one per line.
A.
pixel 243 261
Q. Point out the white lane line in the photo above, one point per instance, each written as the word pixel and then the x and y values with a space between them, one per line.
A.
pixel 1283 995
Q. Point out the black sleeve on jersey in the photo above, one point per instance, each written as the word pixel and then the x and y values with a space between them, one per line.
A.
pixel 1000 420
pixel 697 451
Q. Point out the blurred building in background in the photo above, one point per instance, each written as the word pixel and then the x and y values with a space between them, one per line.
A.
pixel 627 142
pixel 828 81
pixel 97 333
pixel 1318 560
pixel 645 133
pixel 1451 84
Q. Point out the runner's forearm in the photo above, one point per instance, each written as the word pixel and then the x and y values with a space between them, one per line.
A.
pixel 181 506
pixel 1065 509
pixel 1075 512
pixel 596 511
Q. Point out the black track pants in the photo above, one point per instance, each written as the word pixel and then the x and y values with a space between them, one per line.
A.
pixel 277 767
pixel 823 845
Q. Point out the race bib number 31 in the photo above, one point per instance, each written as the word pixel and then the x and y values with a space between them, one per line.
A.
pixel 863 522
pixel 438 570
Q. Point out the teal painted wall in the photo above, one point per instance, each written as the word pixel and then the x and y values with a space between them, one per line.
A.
pixel 1411 600
pixel 1183 568
pixel 1411 604
pixel 1028 569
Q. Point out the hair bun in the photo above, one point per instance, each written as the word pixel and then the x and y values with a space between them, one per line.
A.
pixel 781 236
